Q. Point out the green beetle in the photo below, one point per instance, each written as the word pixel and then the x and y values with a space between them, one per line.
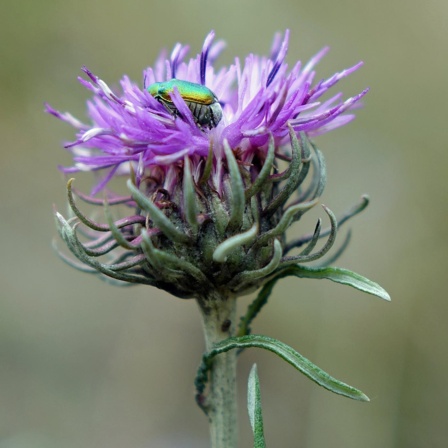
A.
pixel 202 102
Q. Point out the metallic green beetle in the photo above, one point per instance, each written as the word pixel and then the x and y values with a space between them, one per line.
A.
pixel 202 102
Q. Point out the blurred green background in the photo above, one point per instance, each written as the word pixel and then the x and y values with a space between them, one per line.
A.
pixel 84 364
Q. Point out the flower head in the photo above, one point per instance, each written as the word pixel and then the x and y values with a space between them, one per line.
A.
pixel 204 150
pixel 258 97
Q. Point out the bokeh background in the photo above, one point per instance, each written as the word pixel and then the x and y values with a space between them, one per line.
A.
pixel 84 364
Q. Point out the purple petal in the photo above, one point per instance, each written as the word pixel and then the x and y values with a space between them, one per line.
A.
pixel 260 97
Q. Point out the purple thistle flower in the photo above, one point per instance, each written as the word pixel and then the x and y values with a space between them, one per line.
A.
pixel 132 131
pixel 219 165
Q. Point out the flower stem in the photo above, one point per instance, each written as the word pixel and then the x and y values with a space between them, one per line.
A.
pixel 218 317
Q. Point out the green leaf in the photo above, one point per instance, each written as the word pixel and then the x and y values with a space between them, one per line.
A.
pixel 254 408
pixel 285 352
pixel 338 275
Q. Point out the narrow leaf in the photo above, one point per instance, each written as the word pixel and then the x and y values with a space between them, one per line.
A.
pixel 285 352
pixel 338 275
pixel 254 408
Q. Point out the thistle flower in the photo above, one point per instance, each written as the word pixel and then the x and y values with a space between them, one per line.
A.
pixel 211 196
pixel 219 164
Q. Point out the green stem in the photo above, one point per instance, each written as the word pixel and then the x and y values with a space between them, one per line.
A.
pixel 219 323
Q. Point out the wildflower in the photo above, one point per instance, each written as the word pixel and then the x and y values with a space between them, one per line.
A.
pixel 219 164
pixel 211 195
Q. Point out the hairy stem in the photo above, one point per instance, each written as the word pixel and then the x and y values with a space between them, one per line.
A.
pixel 219 323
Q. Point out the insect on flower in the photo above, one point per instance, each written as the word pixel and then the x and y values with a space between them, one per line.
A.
pixel 202 102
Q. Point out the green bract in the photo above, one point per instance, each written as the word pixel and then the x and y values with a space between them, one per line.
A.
pixel 197 241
